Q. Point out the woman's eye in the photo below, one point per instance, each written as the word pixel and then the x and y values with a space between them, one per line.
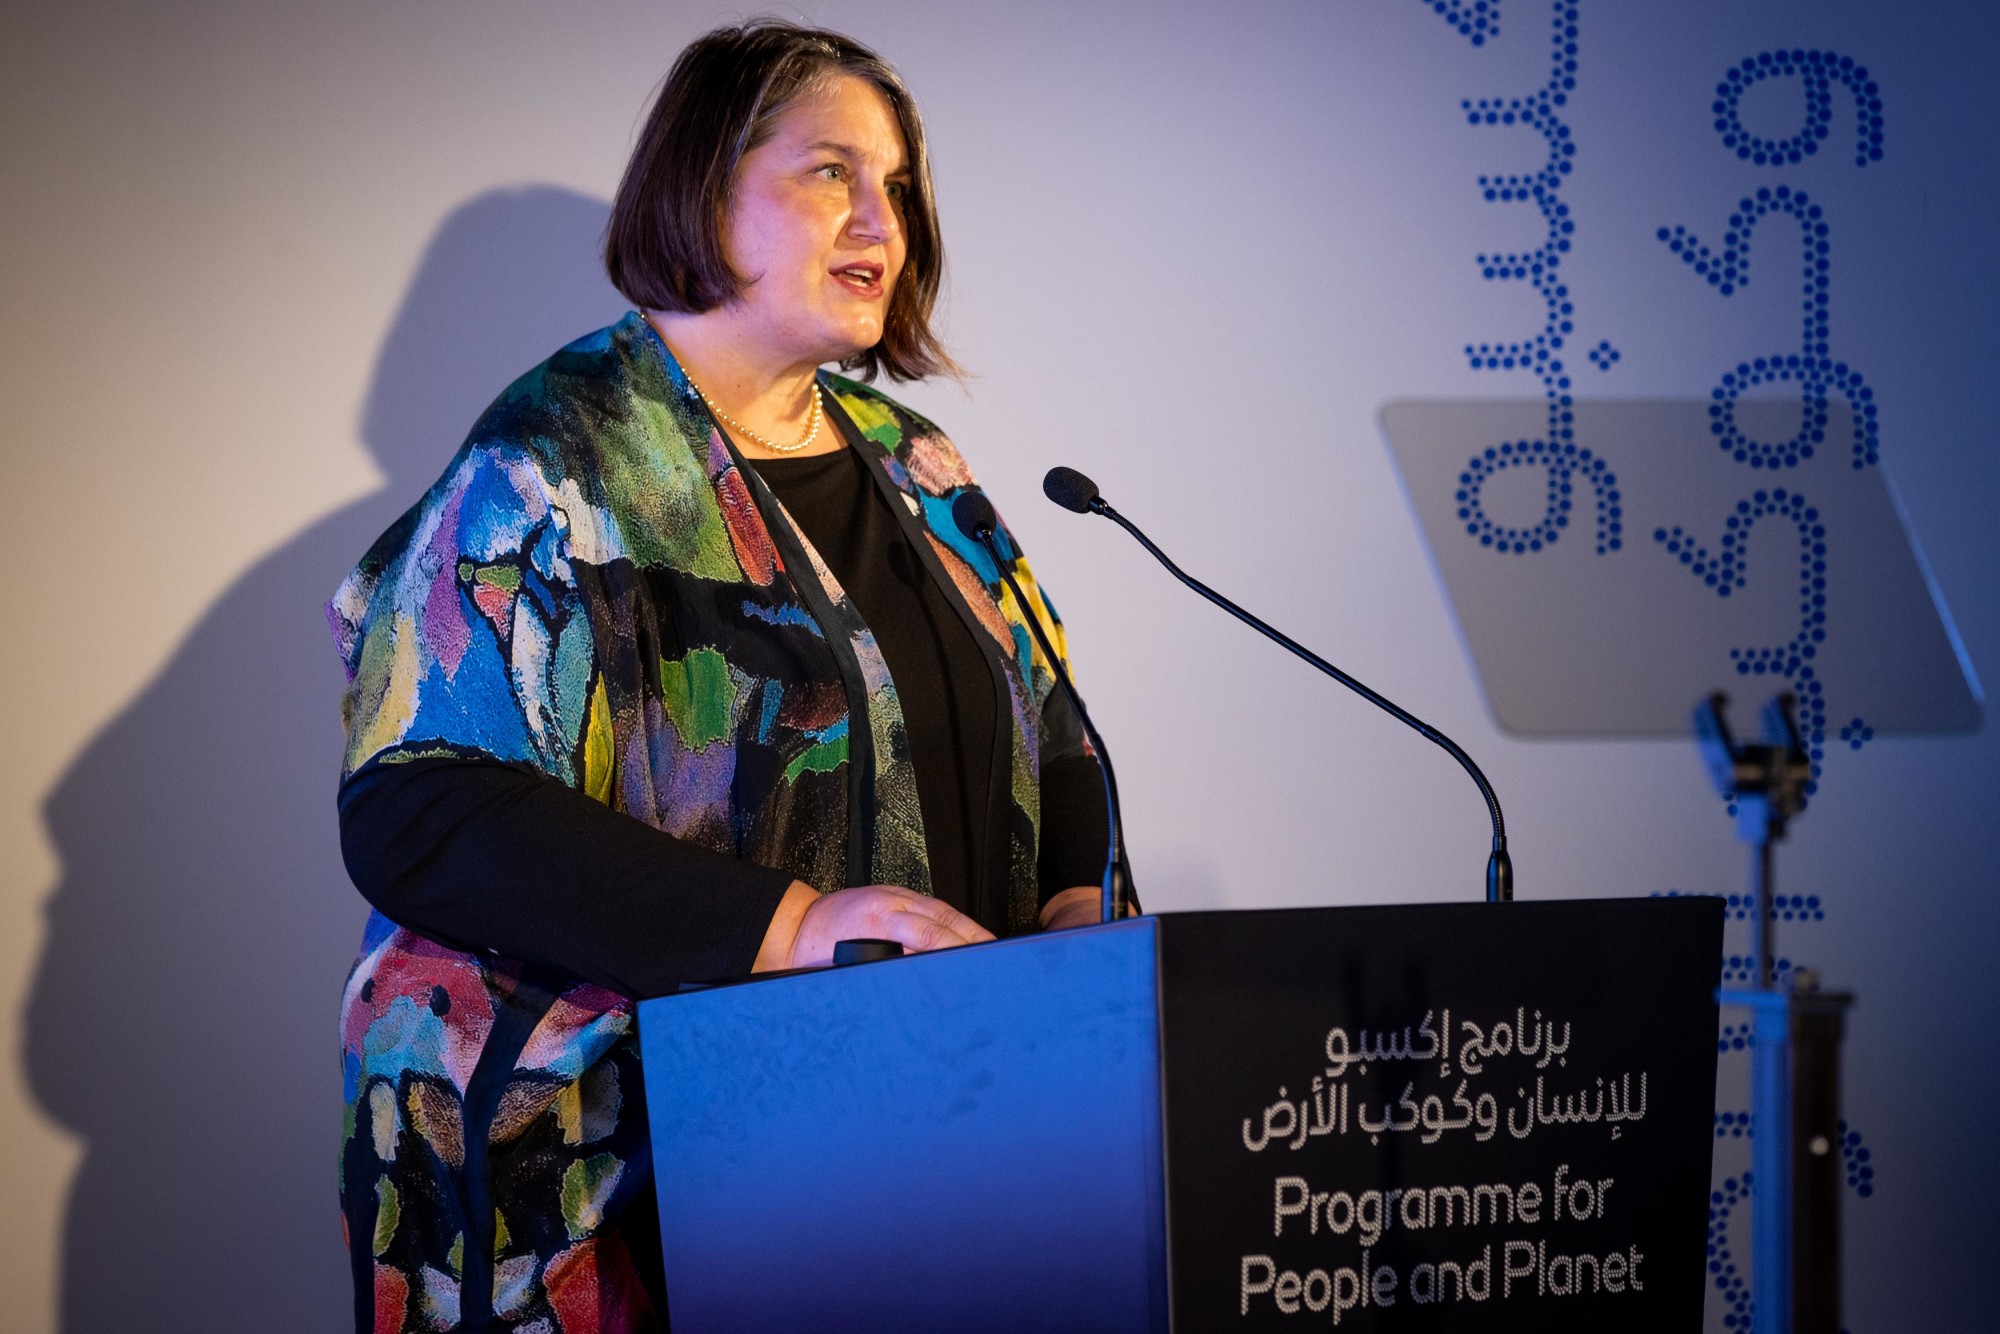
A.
pixel 832 171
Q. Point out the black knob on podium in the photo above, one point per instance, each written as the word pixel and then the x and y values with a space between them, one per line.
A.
pixel 864 950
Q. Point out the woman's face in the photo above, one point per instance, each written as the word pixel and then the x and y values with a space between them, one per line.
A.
pixel 815 225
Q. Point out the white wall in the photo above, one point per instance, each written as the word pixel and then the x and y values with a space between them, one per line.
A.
pixel 264 263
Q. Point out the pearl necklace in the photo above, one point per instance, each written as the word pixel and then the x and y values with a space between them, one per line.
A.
pixel 816 416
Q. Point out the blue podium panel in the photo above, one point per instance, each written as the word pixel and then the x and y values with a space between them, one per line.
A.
pixel 996 1159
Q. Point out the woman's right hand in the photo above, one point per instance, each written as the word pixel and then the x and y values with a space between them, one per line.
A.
pixel 808 923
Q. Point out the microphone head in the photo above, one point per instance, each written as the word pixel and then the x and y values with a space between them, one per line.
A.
pixel 973 513
pixel 1070 489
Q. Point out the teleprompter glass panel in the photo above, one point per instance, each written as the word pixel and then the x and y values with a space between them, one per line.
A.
pixel 1610 570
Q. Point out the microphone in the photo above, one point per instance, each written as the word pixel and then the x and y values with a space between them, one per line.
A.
pixel 1073 491
pixel 974 515
pixel 1070 489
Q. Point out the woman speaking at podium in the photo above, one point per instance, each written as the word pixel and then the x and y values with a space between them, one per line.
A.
pixel 679 672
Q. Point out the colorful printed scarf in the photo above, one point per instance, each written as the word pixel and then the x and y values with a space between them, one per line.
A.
pixel 597 587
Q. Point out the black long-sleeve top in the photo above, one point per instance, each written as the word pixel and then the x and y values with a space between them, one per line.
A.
pixel 489 856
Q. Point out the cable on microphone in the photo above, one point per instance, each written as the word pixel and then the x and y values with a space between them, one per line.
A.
pixel 1073 491
pixel 975 517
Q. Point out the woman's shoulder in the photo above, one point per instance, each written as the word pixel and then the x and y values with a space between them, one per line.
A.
pixel 610 382
pixel 536 459
pixel 605 425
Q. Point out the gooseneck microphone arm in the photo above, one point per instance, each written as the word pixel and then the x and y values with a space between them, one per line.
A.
pixel 1073 491
pixel 975 518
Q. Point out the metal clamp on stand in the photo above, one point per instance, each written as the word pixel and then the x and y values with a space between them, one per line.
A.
pixel 1795 1047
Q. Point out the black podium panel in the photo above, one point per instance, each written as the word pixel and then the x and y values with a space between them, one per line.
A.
pixel 1465 1117
pixel 1441 1117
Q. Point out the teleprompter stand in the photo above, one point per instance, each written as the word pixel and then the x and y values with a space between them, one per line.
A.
pixel 1424 1117
pixel 1795 1046
pixel 1613 638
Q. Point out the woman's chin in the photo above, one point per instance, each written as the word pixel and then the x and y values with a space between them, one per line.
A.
pixel 846 349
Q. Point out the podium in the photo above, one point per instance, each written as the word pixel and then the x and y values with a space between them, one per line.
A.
pixel 1427 1117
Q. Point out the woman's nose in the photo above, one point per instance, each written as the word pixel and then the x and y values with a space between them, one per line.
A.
pixel 875 218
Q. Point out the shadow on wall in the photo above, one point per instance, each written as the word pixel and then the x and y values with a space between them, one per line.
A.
pixel 183 1020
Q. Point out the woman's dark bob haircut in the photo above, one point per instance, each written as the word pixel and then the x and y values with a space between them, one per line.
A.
pixel 663 247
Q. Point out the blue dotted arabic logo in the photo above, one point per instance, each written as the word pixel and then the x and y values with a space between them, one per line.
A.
pixel 1817 375
pixel 1725 570
pixel 1478 20
pixel 1818 71
pixel 1568 466
pixel 1809 368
